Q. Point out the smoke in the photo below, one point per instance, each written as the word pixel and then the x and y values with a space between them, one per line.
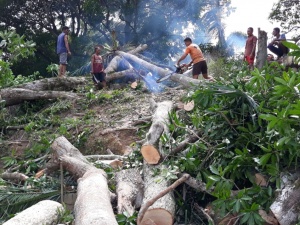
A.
pixel 237 41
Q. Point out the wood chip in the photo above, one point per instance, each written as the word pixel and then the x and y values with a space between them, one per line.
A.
pixel 260 180
pixel 189 106
pixel 134 85
pixel 270 220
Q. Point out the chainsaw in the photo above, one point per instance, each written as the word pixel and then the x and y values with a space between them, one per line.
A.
pixel 179 69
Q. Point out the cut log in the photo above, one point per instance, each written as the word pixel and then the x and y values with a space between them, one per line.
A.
pixel 104 157
pixel 14 96
pixel 45 212
pixel 16 177
pixel 286 206
pixel 92 205
pixel 179 78
pixel 261 56
pixel 163 210
pixel 160 120
pixel 55 84
pixel 125 73
pixel 129 190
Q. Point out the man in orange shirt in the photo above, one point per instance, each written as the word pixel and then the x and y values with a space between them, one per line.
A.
pixel 198 60
pixel 250 48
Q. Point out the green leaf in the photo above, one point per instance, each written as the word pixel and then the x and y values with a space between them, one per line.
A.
pixel 264 159
pixel 279 80
pixel 245 218
pixel 214 170
pixel 291 45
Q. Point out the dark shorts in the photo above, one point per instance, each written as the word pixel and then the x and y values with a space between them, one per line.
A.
pixel 200 67
pixel 99 77
pixel 63 58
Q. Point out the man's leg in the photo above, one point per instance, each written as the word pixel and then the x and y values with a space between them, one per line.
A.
pixel 275 50
pixel 64 68
pixel 196 76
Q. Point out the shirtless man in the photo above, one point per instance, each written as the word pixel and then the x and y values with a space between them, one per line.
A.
pixel 250 48
pixel 198 60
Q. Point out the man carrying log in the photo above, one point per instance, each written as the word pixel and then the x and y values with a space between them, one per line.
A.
pixel 276 45
pixel 198 60
pixel 250 48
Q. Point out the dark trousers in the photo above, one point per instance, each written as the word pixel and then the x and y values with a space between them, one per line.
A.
pixel 276 50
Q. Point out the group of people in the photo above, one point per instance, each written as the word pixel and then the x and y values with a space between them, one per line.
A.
pixel 275 46
pixel 197 59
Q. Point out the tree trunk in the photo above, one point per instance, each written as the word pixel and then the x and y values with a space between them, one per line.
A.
pixel 92 205
pixel 163 210
pixel 160 120
pixel 129 190
pixel 15 177
pixel 287 204
pixel 160 72
pixel 14 96
pixel 122 74
pixel 261 56
pixel 45 212
pixel 54 84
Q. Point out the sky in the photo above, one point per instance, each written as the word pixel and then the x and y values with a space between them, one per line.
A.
pixel 251 13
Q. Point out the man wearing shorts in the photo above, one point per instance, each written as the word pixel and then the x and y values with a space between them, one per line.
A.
pixel 250 48
pixel 276 45
pixel 63 50
pixel 97 68
pixel 198 60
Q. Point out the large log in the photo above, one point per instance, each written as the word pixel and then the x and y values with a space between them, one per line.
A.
pixel 261 56
pixel 129 190
pixel 14 96
pixel 160 120
pixel 286 206
pixel 54 84
pixel 139 63
pixel 92 205
pixel 45 212
pixel 163 210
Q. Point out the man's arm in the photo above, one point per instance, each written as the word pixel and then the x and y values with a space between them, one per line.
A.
pixel 67 44
pixel 254 47
pixel 92 63
pixel 182 58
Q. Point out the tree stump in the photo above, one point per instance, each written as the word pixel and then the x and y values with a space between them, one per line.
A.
pixel 261 56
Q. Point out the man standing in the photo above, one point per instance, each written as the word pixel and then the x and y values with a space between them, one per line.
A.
pixel 276 45
pixel 97 68
pixel 63 50
pixel 198 60
pixel 250 48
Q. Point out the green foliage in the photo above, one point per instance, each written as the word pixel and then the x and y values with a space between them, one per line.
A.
pixel 125 219
pixel 65 216
pixel 295 52
pixel 13 47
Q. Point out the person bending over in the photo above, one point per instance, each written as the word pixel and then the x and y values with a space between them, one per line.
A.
pixel 198 60
pixel 250 48
pixel 97 68
pixel 276 45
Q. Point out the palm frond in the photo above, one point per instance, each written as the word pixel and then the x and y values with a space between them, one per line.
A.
pixel 12 202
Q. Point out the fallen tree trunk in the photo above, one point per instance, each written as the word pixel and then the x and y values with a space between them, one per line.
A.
pixel 286 206
pixel 45 212
pixel 163 210
pixel 160 120
pixel 54 84
pixel 92 205
pixel 139 63
pixel 129 190
pixel 16 177
pixel 14 96
pixel 122 74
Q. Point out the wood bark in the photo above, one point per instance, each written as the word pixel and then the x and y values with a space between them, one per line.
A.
pixel 14 96
pixel 45 212
pixel 160 120
pixel 179 78
pixel 286 206
pixel 129 190
pixel 122 74
pixel 16 177
pixel 54 84
pixel 261 56
pixel 163 210
pixel 92 205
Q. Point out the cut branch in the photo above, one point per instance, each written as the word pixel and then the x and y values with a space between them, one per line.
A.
pixel 160 120
pixel 16 177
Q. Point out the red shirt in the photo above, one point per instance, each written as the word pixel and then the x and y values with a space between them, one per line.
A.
pixel 97 64
pixel 250 43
